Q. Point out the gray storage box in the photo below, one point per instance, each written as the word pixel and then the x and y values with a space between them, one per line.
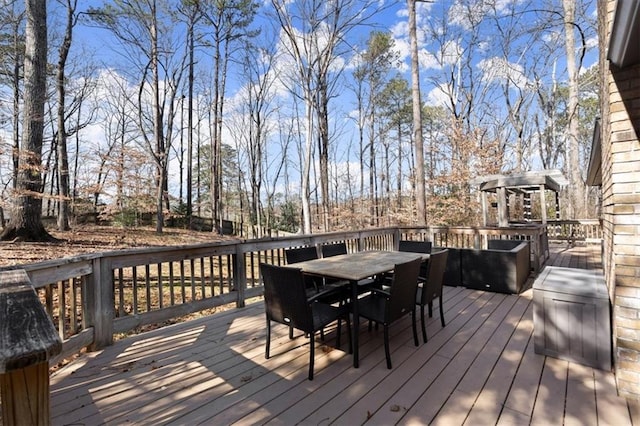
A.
pixel 571 316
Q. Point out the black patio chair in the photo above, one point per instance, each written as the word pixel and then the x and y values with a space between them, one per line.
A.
pixel 328 291
pixel 300 254
pixel 417 247
pixel 431 287
pixel 414 246
pixel 386 307
pixel 317 284
pixel 334 249
pixel 286 302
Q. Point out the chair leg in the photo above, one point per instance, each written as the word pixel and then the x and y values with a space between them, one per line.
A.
pixel 268 343
pixel 312 346
pixel 413 326
pixel 441 311
pixel 349 335
pixel 338 331
pixel 290 332
pixel 387 352
pixel 422 322
pixel 430 309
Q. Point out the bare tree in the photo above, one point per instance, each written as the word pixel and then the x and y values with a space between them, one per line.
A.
pixel 252 125
pixel 12 55
pixel 314 31
pixel 192 15
pixel 144 27
pixel 26 217
pixel 63 158
pixel 229 21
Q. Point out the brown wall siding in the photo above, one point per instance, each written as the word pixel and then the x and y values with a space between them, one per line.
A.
pixel 621 205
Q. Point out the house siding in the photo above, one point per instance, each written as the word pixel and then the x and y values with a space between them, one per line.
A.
pixel 620 124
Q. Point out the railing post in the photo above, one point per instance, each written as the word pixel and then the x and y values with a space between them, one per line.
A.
pixel 28 340
pixel 360 241
pixel 239 276
pixel 396 238
pixel 99 307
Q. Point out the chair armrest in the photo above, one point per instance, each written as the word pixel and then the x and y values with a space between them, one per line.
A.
pixel 319 294
pixel 380 292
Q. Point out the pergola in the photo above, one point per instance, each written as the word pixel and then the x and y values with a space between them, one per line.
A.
pixel 522 184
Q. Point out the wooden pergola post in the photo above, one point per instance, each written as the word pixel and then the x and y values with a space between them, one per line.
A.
pixel 543 204
pixel 27 340
pixel 485 207
pixel 503 216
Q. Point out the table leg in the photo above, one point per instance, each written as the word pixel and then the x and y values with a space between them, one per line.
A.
pixel 355 322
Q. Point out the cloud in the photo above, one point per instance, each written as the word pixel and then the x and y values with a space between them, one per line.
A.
pixel 439 96
pixel 470 14
pixel 428 60
pixel 448 55
pixel 499 69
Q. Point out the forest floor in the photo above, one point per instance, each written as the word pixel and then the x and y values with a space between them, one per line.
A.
pixel 84 239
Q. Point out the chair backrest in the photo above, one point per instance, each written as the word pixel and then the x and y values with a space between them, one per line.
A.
pixel 295 255
pixel 432 287
pixel 335 249
pixel 285 297
pixel 415 246
pixel 403 290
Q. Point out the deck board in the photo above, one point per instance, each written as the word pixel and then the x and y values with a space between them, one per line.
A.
pixel 489 403
pixel 480 368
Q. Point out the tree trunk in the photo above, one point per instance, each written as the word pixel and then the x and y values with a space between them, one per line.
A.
pixel 26 218
pixel 417 117
pixel 16 102
pixel 323 152
pixel 158 133
pixel 372 168
pixel 306 208
pixel 575 178
pixel 191 42
pixel 63 158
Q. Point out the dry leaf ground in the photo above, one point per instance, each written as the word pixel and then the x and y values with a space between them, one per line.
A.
pixel 83 239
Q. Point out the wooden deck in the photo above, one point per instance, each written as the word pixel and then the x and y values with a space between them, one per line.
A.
pixel 480 369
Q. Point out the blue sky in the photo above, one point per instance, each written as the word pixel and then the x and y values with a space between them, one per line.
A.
pixel 457 54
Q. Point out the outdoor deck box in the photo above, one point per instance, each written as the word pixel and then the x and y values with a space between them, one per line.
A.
pixel 571 316
pixel 503 268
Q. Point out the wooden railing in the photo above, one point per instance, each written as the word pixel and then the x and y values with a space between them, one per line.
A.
pixel 91 298
pixel 587 230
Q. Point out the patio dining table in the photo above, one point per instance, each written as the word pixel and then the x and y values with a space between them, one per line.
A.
pixel 355 267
